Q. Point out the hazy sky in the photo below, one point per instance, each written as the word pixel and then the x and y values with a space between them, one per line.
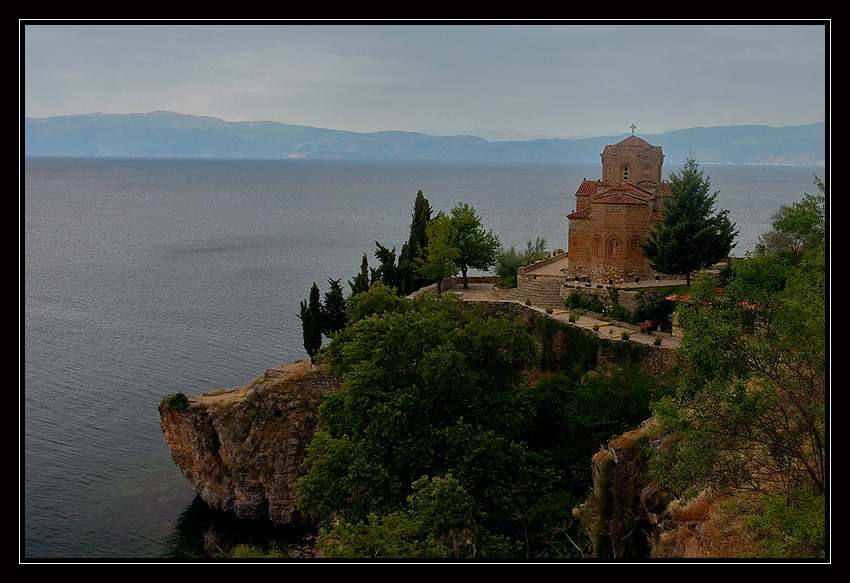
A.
pixel 563 80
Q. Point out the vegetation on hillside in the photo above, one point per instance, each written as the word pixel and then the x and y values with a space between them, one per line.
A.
pixel 749 413
pixel 440 446
pixel 458 434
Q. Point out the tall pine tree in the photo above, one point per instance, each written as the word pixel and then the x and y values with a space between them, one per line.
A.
pixel 690 236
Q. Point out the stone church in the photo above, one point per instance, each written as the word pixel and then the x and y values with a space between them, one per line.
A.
pixel 614 214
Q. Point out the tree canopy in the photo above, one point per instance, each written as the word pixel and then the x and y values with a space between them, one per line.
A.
pixel 409 277
pixel 690 236
pixel 797 226
pixel 476 247
pixel 439 261
pixel 438 446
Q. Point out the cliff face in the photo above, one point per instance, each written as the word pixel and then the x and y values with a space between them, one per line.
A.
pixel 241 450
pixel 628 517
pixel 625 508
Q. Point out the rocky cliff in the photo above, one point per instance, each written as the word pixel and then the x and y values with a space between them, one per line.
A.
pixel 242 449
pixel 629 517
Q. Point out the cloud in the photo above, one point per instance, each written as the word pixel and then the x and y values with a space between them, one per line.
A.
pixel 557 79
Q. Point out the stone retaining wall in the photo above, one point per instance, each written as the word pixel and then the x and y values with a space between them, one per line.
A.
pixel 613 351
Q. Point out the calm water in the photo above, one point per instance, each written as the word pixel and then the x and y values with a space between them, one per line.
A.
pixel 147 277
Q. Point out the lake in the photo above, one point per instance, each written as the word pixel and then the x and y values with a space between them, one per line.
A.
pixel 146 277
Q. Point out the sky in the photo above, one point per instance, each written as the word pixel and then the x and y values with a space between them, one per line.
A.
pixel 490 79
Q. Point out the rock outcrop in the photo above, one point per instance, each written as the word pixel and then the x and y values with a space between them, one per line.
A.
pixel 625 508
pixel 242 449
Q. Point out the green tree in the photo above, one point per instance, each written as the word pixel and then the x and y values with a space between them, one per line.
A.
pixel 476 247
pixel 409 277
pixel 441 253
pixel 429 389
pixel 387 271
pixel 362 280
pixel 311 322
pixel 750 410
pixel 797 226
pixel 690 235
pixel 333 310
pixel 438 523
pixel 379 300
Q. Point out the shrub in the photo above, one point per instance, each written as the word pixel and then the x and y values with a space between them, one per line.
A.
pixel 510 260
pixel 177 401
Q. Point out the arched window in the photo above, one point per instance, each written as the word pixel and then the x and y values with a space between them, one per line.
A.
pixel 625 174
pixel 634 249
pixel 597 246
pixel 613 248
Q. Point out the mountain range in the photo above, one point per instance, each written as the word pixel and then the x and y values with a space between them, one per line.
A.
pixel 161 134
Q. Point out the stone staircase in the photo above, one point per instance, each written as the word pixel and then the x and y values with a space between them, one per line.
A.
pixel 543 291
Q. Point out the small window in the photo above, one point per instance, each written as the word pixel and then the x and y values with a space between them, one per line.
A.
pixel 625 173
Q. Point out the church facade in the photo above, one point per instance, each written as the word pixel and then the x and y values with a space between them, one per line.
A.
pixel 614 214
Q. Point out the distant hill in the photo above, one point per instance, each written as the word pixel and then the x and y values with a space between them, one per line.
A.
pixel 167 134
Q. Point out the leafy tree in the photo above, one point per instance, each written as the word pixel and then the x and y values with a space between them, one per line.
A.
pixel 798 226
pixel 690 235
pixel 312 322
pixel 441 253
pixel 379 300
pixel 438 523
pixel 750 410
pixel 429 390
pixel 476 247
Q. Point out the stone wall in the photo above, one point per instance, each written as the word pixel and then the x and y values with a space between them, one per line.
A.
pixel 542 263
pixel 608 351
pixel 455 283
pixel 626 298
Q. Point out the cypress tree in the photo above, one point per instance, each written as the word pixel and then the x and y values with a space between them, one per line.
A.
pixel 311 322
pixel 333 311
pixel 409 279
pixel 360 283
